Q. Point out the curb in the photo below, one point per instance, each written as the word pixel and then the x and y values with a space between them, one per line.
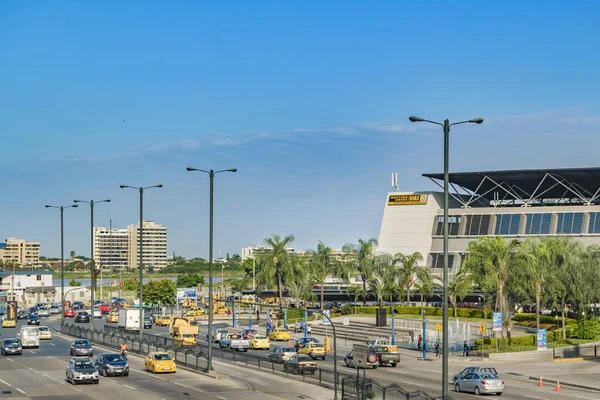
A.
pixel 573 385
pixel 574 359
pixel 197 371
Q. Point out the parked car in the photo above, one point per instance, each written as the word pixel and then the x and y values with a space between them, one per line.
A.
pixel 111 364
pixel 479 383
pixel 281 354
pixel 82 316
pixel 300 365
pixel 11 346
pixel 468 370
pixel 82 370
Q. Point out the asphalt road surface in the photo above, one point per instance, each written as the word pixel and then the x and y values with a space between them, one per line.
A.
pixel 40 373
pixel 413 374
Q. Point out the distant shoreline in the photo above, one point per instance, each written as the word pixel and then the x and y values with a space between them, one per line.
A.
pixel 134 275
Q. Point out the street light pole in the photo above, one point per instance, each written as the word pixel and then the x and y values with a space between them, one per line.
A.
pixel 211 173
pixel 446 126
pixel 62 257
pixel 92 264
pixel 141 251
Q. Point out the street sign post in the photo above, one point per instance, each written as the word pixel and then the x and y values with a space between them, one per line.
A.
pixel 482 329
pixel 438 328
pixel 359 354
pixel 325 320
pixel 542 339
pixel 497 321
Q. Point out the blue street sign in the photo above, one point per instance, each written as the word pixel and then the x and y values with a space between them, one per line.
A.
pixel 325 321
pixel 541 339
pixel 497 321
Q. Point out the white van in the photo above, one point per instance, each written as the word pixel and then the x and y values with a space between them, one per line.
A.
pixel 30 336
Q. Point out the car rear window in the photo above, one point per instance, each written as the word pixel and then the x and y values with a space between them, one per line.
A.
pixel 489 376
pixel 302 359
pixel 288 350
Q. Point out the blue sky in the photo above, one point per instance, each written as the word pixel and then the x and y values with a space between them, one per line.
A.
pixel 309 100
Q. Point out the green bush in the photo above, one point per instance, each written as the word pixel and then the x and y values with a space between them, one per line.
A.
pixel 587 329
pixel 430 311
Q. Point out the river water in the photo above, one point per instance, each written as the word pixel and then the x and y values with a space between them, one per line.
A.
pixel 115 281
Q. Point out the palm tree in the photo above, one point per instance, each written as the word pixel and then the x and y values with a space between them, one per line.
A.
pixel 491 261
pixel 323 264
pixel 358 292
pixel 533 271
pixel 379 282
pixel 409 265
pixel 274 266
pixel 301 286
pixel 360 258
pixel 458 287
pixel 424 283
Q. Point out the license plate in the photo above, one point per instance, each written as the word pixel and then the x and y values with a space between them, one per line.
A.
pixel 166 368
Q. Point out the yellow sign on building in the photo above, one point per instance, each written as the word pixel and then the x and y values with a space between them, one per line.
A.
pixel 407 199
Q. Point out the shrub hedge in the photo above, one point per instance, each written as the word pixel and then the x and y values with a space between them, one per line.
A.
pixel 435 311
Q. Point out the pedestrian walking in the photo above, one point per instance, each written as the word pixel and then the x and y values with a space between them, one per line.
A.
pixel 437 349
pixel 465 349
pixel 420 342
pixel 257 315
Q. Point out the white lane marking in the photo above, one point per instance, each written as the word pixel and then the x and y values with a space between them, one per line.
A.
pixel 6 383
pixel 31 351
pixel 20 390
pixel 52 344
pixel 181 384
pixel 533 397
pixel 222 398
pixel 47 376
pixel 144 372
pixel 411 383
pixel 11 360
pixel 108 379
pixel 130 387
pixel 583 397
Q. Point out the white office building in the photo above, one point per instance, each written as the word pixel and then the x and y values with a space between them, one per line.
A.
pixel 155 245
pixel 111 248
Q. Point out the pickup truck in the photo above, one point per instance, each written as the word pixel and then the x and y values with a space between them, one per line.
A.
pixel 234 341
pixel 385 352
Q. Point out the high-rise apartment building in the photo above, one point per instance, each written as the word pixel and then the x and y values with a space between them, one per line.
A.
pixel 118 248
pixel 20 252
pixel 111 248
pixel 155 245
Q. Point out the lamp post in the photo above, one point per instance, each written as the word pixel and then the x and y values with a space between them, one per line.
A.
pixel 211 173
pixel 141 251
pixel 92 265
pixel 62 256
pixel 446 126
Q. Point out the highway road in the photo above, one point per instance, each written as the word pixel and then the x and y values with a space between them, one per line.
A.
pixel 414 374
pixel 40 373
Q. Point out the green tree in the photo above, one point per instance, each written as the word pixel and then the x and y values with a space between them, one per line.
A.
pixel 74 283
pixel 160 292
pixel 358 292
pixel 239 285
pixel 323 264
pixel 72 253
pixel 301 286
pixel 458 287
pixel 491 261
pixel 424 284
pixel 189 280
pixel 235 258
pixel 380 278
pixel 131 284
pixel 409 265
pixel 359 257
pixel 273 264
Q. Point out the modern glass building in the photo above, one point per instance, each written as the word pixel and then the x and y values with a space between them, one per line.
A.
pixel 512 204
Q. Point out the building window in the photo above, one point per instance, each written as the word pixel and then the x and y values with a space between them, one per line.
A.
pixel 569 223
pixel 594 223
pixel 477 225
pixel 507 224
pixel 437 260
pixel 453 223
pixel 38 277
pixel 538 224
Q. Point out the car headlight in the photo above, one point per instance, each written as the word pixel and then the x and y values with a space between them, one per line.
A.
pixel 77 374
pixel 96 374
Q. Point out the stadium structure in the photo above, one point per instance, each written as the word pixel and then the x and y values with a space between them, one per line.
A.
pixel 513 204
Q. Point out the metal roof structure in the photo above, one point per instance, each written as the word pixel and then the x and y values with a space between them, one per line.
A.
pixel 535 187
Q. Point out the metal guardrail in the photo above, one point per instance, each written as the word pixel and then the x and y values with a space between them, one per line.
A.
pixel 196 358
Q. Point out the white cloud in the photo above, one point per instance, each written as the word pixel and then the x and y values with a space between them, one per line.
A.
pixel 189 144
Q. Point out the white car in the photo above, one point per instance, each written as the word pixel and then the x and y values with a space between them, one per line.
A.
pixel 43 312
pixel 45 332
pixel 97 313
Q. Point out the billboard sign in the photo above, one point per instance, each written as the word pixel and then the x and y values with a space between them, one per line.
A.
pixel 542 339
pixel 407 199
pixel 497 321
pixel 186 293
pixel 327 313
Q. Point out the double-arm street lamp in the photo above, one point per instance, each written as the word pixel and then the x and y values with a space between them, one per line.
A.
pixel 92 264
pixel 141 251
pixel 62 258
pixel 211 173
pixel 446 126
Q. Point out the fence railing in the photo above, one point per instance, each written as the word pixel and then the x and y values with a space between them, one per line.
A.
pixel 195 357
pixel 355 388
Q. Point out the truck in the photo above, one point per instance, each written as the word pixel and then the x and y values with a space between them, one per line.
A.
pixel 29 336
pixel 234 341
pixel 129 319
pixel 386 353
pixel 10 319
pixel 182 332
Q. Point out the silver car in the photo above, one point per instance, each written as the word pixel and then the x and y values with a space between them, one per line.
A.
pixel 281 354
pixel 479 383
pixel 468 370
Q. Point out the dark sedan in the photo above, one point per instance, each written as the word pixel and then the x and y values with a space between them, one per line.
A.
pixel 147 322
pixel 34 319
pixel 78 305
pixel 82 316
pixel 111 364
pixel 81 347
pixel 11 346
pixel 22 314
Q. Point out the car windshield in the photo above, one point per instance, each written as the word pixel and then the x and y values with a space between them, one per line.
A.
pixel 112 358
pixel 81 343
pixel 162 357
pixel 11 341
pixel 83 364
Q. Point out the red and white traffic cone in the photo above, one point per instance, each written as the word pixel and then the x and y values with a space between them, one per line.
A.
pixel 557 386
pixel 540 383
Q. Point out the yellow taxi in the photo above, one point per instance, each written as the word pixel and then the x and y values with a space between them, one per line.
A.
pixel 158 362
pixel 112 317
pixel 9 323
pixel 163 320
pixel 314 350
pixel 194 312
pixel 279 334
pixel 260 342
